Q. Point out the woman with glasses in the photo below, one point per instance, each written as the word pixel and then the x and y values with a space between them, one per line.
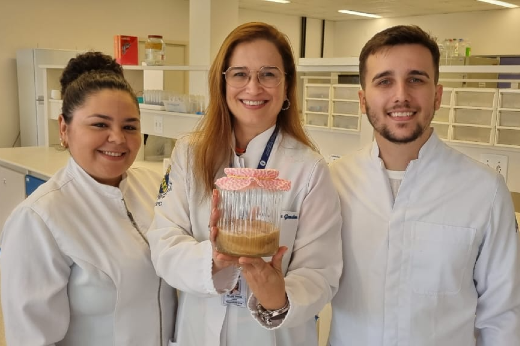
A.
pixel 252 121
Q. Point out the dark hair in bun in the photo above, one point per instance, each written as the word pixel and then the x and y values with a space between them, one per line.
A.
pixel 87 74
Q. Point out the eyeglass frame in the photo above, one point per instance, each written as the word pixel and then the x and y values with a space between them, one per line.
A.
pixel 284 74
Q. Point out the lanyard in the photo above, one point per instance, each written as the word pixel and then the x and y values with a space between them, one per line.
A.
pixel 267 150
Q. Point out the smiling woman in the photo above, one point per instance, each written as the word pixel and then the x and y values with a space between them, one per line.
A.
pixel 75 262
pixel 252 122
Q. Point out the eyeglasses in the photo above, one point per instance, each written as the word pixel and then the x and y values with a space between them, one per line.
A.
pixel 268 76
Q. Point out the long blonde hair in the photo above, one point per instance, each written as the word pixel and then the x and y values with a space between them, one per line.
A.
pixel 212 139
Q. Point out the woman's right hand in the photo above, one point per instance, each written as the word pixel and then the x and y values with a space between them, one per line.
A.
pixel 220 261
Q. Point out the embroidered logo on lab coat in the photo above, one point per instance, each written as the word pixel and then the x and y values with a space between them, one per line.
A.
pixel 165 187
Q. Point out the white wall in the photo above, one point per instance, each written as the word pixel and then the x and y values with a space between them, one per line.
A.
pixel 289 25
pixel 78 25
pixel 490 32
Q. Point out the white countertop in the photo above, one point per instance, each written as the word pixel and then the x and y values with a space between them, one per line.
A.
pixel 43 162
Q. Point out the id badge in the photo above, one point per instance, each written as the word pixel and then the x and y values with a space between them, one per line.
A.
pixel 238 295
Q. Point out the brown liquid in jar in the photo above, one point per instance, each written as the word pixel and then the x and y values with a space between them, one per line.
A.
pixel 250 238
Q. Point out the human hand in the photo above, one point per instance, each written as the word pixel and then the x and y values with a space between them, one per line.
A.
pixel 220 261
pixel 266 279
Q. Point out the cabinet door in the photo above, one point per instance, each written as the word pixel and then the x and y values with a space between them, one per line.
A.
pixel 12 192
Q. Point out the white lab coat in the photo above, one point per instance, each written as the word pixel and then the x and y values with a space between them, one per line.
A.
pixel 182 255
pixel 417 271
pixel 75 271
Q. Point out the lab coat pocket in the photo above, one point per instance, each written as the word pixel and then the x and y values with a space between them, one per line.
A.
pixel 172 343
pixel 440 256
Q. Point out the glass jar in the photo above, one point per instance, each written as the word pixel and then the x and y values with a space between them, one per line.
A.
pixel 154 50
pixel 250 202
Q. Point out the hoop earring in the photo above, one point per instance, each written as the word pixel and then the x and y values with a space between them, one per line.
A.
pixel 63 144
pixel 284 108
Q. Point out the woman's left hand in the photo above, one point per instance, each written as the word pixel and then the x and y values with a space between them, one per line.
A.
pixel 266 279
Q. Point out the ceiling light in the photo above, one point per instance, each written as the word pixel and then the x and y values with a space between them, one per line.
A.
pixel 360 14
pixel 279 1
pixel 499 3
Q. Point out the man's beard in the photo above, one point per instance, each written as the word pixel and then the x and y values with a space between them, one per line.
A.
pixel 385 132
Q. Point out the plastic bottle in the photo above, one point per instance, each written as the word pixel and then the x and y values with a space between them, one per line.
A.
pixel 154 50
pixel 442 52
pixel 455 45
pixel 462 47
pixel 468 48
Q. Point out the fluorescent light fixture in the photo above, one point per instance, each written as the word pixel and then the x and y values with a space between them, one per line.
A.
pixel 499 3
pixel 279 1
pixel 359 14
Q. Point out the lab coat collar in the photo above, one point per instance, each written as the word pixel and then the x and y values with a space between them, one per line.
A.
pixel 258 142
pixel 425 151
pixel 254 149
pixel 90 183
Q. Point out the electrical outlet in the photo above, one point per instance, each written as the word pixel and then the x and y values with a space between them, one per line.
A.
pixel 158 124
pixel 497 162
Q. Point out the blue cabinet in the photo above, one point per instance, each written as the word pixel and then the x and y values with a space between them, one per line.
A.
pixel 31 184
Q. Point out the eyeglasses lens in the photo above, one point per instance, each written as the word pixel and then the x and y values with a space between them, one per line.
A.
pixel 268 76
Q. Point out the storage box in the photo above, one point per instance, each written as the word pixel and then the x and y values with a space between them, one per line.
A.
pixel 126 49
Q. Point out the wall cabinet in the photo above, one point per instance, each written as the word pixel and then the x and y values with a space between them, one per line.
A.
pixel 333 106
pixel 479 116
pixel 473 115
pixel 12 192
pixel 508 119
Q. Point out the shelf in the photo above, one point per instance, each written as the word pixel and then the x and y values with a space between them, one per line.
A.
pixel 345 92
pixel 472 125
pixel 442 115
pixel 345 122
pixel 507 136
pixel 168 113
pixel 316 127
pixel 473 107
pixel 174 124
pixel 481 135
pixel 509 99
pixel 345 107
pixel 312 112
pixel 317 99
pixel 442 130
pixel 508 118
pixel 471 97
pixel 346 115
pixel 509 109
pixel 473 116
pixel 345 100
pixel 446 97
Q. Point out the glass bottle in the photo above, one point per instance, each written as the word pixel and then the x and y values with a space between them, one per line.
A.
pixel 154 50
pixel 250 205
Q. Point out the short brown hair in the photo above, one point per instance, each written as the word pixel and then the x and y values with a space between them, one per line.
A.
pixel 394 36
